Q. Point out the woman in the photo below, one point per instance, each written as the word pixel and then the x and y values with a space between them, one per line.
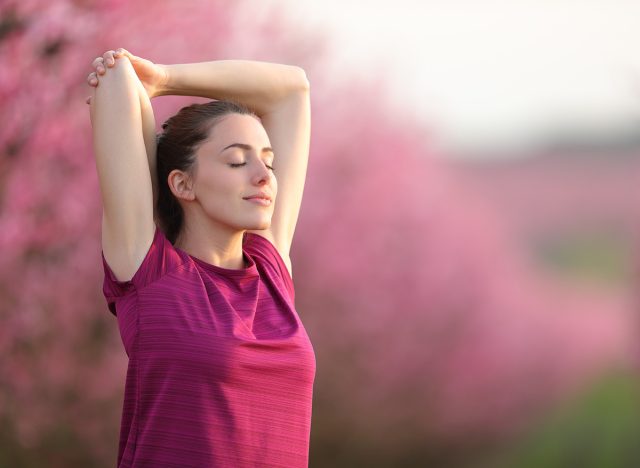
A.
pixel 196 263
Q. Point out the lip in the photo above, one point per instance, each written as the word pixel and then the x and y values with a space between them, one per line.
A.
pixel 263 196
pixel 259 201
pixel 260 198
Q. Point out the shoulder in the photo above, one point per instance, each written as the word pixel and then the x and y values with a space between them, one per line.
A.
pixel 268 235
pixel 159 261
pixel 262 248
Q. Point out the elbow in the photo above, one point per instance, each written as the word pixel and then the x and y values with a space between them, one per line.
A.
pixel 121 78
pixel 301 82
pixel 304 80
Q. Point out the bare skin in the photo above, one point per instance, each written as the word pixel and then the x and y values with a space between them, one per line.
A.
pixel 213 197
pixel 216 212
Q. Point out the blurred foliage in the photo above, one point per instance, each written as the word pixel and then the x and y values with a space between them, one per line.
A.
pixel 58 446
pixel 588 256
pixel 597 429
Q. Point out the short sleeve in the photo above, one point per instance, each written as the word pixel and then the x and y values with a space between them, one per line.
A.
pixel 259 245
pixel 160 259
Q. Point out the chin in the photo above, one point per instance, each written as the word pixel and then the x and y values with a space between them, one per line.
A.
pixel 260 226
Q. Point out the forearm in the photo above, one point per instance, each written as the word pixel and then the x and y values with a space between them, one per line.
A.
pixel 261 86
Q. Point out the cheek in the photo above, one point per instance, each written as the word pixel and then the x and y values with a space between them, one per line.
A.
pixel 220 205
pixel 220 192
pixel 215 181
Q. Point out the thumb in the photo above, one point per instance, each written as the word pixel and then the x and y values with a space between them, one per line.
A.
pixel 125 53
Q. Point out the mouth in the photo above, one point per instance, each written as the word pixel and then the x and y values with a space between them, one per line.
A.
pixel 259 200
pixel 261 196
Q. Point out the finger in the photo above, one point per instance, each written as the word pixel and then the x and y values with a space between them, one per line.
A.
pixel 92 79
pixel 108 58
pixel 122 52
pixel 125 53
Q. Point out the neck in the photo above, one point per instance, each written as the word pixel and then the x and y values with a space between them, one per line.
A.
pixel 213 244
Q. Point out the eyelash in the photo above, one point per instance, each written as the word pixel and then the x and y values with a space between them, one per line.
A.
pixel 242 164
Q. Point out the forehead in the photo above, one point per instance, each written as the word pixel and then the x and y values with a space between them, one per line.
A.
pixel 237 128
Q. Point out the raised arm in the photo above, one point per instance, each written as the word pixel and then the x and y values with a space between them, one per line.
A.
pixel 279 94
pixel 124 147
pixel 262 86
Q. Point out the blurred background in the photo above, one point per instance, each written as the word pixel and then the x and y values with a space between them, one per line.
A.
pixel 467 251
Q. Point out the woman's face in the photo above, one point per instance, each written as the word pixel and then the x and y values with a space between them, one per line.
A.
pixel 233 164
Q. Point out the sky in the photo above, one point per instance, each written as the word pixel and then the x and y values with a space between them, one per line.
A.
pixel 493 73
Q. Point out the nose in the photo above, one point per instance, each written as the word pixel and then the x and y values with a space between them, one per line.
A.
pixel 262 174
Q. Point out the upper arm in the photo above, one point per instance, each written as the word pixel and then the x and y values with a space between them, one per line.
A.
pixel 123 170
pixel 266 233
pixel 289 126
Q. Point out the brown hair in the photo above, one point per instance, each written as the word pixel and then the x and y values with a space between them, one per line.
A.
pixel 176 148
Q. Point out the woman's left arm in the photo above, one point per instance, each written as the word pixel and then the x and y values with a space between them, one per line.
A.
pixel 279 94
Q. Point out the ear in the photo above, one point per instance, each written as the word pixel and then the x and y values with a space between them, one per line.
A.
pixel 181 185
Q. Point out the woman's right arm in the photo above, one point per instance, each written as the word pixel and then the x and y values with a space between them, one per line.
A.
pixel 121 138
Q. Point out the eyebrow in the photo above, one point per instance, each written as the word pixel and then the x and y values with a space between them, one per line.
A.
pixel 246 147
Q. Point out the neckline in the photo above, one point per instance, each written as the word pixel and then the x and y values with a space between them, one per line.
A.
pixel 246 271
pixel 249 270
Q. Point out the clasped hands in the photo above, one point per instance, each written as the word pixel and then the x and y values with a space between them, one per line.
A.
pixel 152 76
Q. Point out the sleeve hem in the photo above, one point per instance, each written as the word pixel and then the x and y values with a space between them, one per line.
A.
pixel 115 289
pixel 130 282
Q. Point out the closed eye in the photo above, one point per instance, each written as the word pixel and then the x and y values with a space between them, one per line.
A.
pixel 242 164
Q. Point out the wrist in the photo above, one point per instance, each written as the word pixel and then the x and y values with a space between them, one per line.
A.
pixel 163 87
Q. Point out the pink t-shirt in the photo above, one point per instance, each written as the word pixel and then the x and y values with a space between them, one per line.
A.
pixel 221 369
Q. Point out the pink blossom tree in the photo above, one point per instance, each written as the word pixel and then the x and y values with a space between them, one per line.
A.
pixel 434 326
pixel 426 322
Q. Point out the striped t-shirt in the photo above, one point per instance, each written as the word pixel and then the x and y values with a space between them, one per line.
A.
pixel 221 369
